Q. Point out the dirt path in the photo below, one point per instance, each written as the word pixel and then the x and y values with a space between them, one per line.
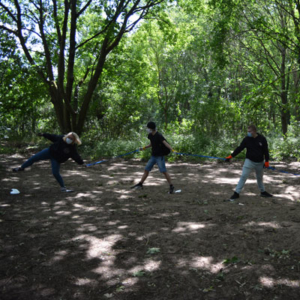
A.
pixel 106 241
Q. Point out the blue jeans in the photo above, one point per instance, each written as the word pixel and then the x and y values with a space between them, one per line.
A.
pixel 159 160
pixel 45 155
pixel 250 165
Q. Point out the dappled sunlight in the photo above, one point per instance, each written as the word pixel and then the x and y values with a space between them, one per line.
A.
pixel 164 215
pixel 123 227
pixel 88 228
pixel 11 179
pixel 123 197
pixel 189 227
pixel 294 191
pixel 270 282
pixel 202 263
pixel 289 196
pixel 85 281
pixel 59 255
pixel 87 195
pixel 263 224
pixel 206 263
pixel 97 246
pixel 106 240
pixel 63 213
pixel 146 236
pixel 148 265
pixel 81 207
pixel 224 180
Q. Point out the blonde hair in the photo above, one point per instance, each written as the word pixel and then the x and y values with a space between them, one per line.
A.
pixel 77 139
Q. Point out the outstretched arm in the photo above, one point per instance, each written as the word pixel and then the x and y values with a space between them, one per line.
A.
pixel 144 148
pixel 52 137
pixel 240 148
pixel 77 157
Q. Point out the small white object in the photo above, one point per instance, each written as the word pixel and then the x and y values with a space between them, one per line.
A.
pixel 241 204
pixel 178 191
pixel 14 192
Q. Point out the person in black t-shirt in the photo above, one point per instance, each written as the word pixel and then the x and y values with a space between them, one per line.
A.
pixel 157 155
pixel 257 157
pixel 63 148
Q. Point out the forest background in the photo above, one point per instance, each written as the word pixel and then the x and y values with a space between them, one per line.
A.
pixel 202 70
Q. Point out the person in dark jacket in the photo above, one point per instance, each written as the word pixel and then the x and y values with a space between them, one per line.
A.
pixel 257 157
pixel 63 148
pixel 157 156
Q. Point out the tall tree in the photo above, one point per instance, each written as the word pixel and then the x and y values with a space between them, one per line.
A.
pixel 57 36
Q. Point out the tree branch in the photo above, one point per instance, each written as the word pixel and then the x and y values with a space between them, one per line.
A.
pixel 84 8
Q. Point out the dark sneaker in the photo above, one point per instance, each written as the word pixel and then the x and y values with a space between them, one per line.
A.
pixel 235 196
pixel 138 186
pixel 18 169
pixel 65 190
pixel 266 195
pixel 171 189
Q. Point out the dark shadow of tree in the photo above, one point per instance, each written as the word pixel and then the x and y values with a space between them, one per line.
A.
pixel 106 241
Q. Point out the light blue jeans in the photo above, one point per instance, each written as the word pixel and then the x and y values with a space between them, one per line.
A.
pixel 250 165
pixel 159 160
pixel 45 155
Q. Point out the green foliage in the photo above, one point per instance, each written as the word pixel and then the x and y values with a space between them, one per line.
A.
pixel 203 71
pixel 233 260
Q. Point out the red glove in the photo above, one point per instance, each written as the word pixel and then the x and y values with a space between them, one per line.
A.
pixel 228 158
pixel 267 165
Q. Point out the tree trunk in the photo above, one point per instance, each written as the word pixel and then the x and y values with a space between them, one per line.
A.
pixel 284 95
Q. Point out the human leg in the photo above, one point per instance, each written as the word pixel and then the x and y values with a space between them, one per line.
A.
pixel 148 168
pixel 168 177
pixel 245 174
pixel 259 176
pixel 144 177
pixel 55 171
pixel 42 155
pixel 162 168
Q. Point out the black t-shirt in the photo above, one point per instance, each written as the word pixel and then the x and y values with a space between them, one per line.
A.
pixel 62 151
pixel 156 142
pixel 257 148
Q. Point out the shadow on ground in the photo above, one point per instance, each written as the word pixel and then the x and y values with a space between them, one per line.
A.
pixel 106 241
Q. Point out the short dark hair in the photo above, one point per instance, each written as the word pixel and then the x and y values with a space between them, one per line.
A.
pixel 151 125
pixel 253 127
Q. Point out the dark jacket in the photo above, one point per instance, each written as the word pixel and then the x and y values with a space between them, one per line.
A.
pixel 257 148
pixel 60 150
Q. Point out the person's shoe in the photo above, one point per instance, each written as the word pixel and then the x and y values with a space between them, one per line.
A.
pixel 18 169
pixel 171 189
pixel 266 195
pixel 235 196
pixel 65 190
pixel 138 186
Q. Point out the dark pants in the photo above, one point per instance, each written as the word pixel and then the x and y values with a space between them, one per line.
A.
pixel 45 155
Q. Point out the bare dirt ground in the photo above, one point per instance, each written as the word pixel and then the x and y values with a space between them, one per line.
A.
pixel 106 241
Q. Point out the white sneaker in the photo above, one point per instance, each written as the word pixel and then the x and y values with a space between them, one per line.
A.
pixel 65 190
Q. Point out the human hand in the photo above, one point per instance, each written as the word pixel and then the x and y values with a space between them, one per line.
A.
pixel 144 148
pixel 228 158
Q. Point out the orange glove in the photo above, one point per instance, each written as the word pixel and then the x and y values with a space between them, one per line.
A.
pixel 267 165
pixel 228 158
